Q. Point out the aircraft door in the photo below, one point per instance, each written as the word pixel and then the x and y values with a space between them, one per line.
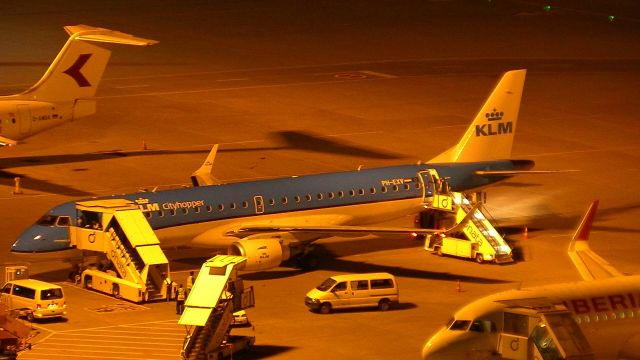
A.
pixel 427 184
pixel 258 203
pixel 24 119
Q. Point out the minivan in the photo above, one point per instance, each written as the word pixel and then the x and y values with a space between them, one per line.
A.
pixel 34 299
pixel 354 290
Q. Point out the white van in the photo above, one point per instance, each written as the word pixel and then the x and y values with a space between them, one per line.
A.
pixel 34 299
pixel 354 290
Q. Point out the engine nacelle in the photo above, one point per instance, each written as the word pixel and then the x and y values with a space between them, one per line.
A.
pixel 261 254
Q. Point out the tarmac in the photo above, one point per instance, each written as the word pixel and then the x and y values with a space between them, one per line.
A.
pixel 291 88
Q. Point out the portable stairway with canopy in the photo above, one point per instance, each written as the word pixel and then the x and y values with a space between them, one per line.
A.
pixel 133 265
pixel 482 241
pixel 209 310
pixel 537 331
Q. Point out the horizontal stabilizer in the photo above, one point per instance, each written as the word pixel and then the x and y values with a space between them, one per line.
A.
pixel 90 33
pixel 589 264
pixel 518 172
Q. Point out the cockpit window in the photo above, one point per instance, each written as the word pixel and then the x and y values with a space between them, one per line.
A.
pixel 326 285
pixel 483 326
pixel 63 221
pixel 461 325
pixel 47 220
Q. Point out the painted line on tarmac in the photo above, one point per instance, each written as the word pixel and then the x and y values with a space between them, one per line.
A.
pixel 180 331
pixel 75 344
pixel 168 340
pixel 65 356
pixel 160 93
pixel 131 86
pixel 117 336
pixel 239 79
pixel 378 74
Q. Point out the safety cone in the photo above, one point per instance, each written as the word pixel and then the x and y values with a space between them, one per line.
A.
pixel 458 286
pixel 525 234
pixel 144 145
pixel 17 189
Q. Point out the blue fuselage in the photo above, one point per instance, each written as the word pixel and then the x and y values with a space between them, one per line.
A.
pixel 216 203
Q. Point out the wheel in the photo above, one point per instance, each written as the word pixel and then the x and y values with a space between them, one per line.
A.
pixel 308 262
pixel 115 291
pixel 325 308
pixel 439 250
pixel 479 258
pixel 384 305
pixel 87 283
pixel 30 316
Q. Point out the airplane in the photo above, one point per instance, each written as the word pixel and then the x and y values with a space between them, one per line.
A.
pixel 271 221
pixel 65 90
pixel 605 305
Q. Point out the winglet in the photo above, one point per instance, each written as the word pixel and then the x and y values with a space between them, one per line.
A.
pixel 204 175
pixel 7 142
pixel 589 264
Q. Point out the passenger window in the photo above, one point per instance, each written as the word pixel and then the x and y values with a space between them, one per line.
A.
pixel 209 208
pixel 308 197
pixel 160 213
pixel 341 194
pixel 383 189
pixel 360 285
pixel 361 191
pixel 172 212
pixel 407 186
pixel 297 198
pixel 395 187
pixel 352 192
pixel 331 195
pixel 272 201
pixel 245 204
pixel 147 214
pixel 372 190
pixel 6 289
pixel 418 186
pixel 285 200
pixel 341 286
pixel 320 196
pixel 232 205
pixel 197 209
pixel 24 292
pixel 220 207
pixel 381 283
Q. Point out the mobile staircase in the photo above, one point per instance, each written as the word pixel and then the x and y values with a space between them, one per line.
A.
pixel 133 266
pixel 208 316
pixel 478 238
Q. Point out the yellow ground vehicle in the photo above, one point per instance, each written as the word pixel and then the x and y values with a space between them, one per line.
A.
pixel 34 299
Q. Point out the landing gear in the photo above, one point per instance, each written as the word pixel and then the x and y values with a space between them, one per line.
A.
pixel 308 261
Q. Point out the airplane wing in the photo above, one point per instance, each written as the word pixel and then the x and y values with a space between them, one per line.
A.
pixel 518 172
pixel 589 264
pixel 244 231
pixel 7 142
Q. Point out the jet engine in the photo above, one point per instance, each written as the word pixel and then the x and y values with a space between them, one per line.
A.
pixel 261 254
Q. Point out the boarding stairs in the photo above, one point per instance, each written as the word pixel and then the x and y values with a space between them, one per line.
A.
pixel 479 228
pixel 208 316
pixel 121 232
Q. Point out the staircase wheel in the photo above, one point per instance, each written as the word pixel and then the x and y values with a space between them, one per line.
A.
pixel 479 258
pixel 88 283
pixel 115 291
pixel 439 250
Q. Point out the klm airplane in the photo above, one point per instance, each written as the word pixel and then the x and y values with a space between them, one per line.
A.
pixel 270 221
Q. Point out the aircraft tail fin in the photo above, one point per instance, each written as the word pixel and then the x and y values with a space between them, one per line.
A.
pixel 589 264
pixel 490 136
pixel 77 69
